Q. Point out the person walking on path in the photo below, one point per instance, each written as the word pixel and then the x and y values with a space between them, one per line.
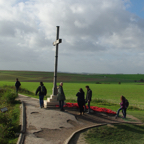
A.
pixel 42 92
pixel 81 100
pixel 17 85
pixel 122 107
pixel 126 105
pixel 88 97
pixel 61 96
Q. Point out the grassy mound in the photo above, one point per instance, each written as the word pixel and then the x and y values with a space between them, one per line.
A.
pixel 21 90
pixel 9 120
pixel 116 134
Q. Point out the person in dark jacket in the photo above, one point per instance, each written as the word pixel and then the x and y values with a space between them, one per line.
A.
pixel 126 106
pixel 122 107
pixel 88 97
pixel 42 92
pixel 17 85
pixel 61 96
pixel 81 100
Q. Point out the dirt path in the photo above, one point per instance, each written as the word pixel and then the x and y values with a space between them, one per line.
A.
pixel 51 126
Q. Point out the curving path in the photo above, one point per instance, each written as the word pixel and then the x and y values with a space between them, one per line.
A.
pixel 51 126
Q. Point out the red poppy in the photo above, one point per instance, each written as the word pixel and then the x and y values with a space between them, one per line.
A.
pixel 94 108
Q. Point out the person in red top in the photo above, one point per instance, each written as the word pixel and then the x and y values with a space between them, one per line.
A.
pixel 122 107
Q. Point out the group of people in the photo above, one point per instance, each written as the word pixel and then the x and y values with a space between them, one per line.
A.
pixel 61 97
pixel 43 91
pixel 80 98
pixel 82 101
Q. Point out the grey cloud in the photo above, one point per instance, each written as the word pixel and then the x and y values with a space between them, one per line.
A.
pixel 98 36
pixel 8 28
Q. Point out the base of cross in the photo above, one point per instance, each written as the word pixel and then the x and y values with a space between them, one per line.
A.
pixel 52 101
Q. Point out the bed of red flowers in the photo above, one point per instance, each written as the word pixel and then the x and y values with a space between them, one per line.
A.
pixel 94 108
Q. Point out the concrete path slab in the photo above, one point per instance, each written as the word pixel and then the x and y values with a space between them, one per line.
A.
pixel 40 120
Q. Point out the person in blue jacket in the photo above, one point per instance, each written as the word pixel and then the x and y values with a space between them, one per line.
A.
pixel 42 92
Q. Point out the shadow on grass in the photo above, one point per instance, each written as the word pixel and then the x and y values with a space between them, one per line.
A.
pixel 131 128
pixel 119 133
pixel 129 119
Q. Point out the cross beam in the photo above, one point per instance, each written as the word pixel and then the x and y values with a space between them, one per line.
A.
pixel 56 43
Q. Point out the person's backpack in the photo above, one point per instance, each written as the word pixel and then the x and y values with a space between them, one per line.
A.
pixel 43 90
pixel 126 103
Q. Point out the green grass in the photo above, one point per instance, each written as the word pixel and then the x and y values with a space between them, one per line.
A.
pixel 137 114
pixel 106 92
pixel 9 121
pixel 15 121
pixel 116 134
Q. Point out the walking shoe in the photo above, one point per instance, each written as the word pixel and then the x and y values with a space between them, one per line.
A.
pixel 116 116
pixel 62 110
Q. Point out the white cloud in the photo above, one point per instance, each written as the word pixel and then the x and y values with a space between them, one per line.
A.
pixel 99 36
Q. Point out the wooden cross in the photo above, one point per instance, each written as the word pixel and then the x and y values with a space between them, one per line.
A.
pixel 56 43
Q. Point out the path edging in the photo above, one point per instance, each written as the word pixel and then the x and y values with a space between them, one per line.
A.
pixel 92 126
pixel 88 127
pixel 23 125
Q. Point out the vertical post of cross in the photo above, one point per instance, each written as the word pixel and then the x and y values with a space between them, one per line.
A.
pixel 52 101
pixel 56 43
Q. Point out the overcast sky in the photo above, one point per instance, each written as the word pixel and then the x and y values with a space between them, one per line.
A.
pixel 98 36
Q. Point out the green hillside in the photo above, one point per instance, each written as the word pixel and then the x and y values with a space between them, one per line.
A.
pixel 34 76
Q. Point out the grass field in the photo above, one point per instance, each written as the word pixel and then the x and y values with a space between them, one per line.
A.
pixel 31 76
pixel 116 134
pixel 109 92
pixel 106 93
pixel 109 89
